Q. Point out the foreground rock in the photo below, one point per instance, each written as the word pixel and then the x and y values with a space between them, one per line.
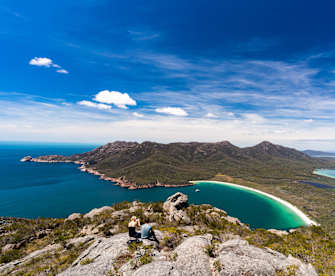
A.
pixel 99 258
pixel 174 207
pixel 233 257
pixel 237 257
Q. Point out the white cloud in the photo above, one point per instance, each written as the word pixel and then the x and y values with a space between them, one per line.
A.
pixel 95 105
pixel 117 98
pixel 58 122
pixel 62 71
pixel 211 115
pixel 47 62
pixel 139 115
pixel 309 121
pixel 231 114
pixel 253 118
pixel 177 111
pixel 41 61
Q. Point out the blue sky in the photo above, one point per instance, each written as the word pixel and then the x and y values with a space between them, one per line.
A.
pixel 97 71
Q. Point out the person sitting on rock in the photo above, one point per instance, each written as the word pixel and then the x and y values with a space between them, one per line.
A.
pixel 148 233
pixel 133 223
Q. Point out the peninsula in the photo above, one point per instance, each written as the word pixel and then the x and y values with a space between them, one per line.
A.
pixel 145 165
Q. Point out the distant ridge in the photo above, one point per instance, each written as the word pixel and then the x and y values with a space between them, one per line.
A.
pixel 319 153
pixel 155 164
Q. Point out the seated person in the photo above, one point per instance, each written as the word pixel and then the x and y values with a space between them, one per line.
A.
pixel 148 233
pixel 133 223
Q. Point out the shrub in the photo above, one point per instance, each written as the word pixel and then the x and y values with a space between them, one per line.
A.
pixel 157 207
pixel 217 265
pixel 9 256
pixel 86 261
pixel 121 205
pixel 210 250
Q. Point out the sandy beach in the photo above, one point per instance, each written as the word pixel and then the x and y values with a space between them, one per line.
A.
pixel 295 209
pixel 319 172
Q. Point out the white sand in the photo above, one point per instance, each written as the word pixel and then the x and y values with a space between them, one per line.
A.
pixel 317 172
pixel 303 216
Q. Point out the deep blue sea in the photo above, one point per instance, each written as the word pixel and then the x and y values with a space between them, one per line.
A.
pixel 56 190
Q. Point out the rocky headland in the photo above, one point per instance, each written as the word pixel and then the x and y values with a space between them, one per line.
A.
pixel 192 240
pixel 121 181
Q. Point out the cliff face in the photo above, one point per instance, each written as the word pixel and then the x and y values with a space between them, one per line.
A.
pixel 191 240
pixel 151 163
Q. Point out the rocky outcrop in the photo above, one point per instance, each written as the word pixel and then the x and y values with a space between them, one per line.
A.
pixel 9 266
pixel 233 257
pixel 174 207
pixel 99 258
pixel 237 257
pixel 26 159
pixel 161 268
pixel 98 211
pixel 74 216
pixel 7 247
pixel 192 258
pixel 278 232
pixel 80 240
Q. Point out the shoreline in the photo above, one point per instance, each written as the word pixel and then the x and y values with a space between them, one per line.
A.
pixel 120 181
pixel 316 172
pixel 292 207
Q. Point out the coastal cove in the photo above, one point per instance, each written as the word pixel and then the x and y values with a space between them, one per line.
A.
pixel 287 207
pixel 325 172
pixel 55 190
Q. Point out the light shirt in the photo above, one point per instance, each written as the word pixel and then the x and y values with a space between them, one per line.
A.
pixel 145 230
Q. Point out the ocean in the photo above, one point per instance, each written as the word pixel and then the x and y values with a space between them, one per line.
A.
pixel 32 190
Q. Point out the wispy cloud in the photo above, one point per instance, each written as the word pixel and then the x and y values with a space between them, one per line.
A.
pixel 143 35
pixel 12 12
pixel 95 105
pixel 47 62
pixel 211 115
pixel 62 71
pixel 253 118
pixel 176 111
pixel 247 100
pixel 169 62
pixel 139 115
pixel 274 89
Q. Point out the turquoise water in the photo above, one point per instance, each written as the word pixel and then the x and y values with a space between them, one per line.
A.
pixel 325 172
pixel 56 190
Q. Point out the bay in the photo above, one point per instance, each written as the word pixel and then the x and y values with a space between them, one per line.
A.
pixel 34 190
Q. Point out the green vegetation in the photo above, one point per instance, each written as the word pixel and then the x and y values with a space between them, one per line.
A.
pixel 146 258
pixel 178 163
pixel 86 261
pixel 218 266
